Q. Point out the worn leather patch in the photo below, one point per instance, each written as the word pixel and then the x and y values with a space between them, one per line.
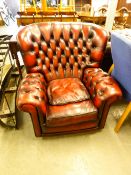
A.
pixel 67 90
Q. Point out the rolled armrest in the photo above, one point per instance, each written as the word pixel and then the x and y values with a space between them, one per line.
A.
pixel 32 92
pixel 100 85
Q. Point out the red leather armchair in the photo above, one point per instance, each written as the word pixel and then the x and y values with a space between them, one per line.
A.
pixel 64 89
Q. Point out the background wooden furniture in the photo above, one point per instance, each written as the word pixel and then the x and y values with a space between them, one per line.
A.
pixel 25 18
pixel 93 19
pixel 9 78
pixel 14 49
pixel 121 18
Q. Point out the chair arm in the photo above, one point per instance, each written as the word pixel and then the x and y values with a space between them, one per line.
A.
pixel 100 85
pixel 32 92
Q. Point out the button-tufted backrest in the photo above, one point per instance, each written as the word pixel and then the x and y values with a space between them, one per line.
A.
pixel 60 49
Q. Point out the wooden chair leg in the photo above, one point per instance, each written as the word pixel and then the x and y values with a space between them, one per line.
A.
pixel 111 69
pixel 123 117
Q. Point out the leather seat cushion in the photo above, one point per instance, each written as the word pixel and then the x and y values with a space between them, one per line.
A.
pixel 72 113
pixel 67 90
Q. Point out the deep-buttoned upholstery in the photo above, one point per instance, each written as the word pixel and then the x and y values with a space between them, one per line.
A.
pixel 64 89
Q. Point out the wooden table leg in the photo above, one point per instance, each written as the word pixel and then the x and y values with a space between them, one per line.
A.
pixel 123 117
pixel 13 49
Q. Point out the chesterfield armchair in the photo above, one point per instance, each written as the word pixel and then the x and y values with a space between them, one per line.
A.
pixel 64 90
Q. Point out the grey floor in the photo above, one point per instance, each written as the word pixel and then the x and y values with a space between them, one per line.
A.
pixel 100 153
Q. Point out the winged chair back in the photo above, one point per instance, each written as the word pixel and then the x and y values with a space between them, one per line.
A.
pixel 60 50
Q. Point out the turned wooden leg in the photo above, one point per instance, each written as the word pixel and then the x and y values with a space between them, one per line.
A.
pixel 123 117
